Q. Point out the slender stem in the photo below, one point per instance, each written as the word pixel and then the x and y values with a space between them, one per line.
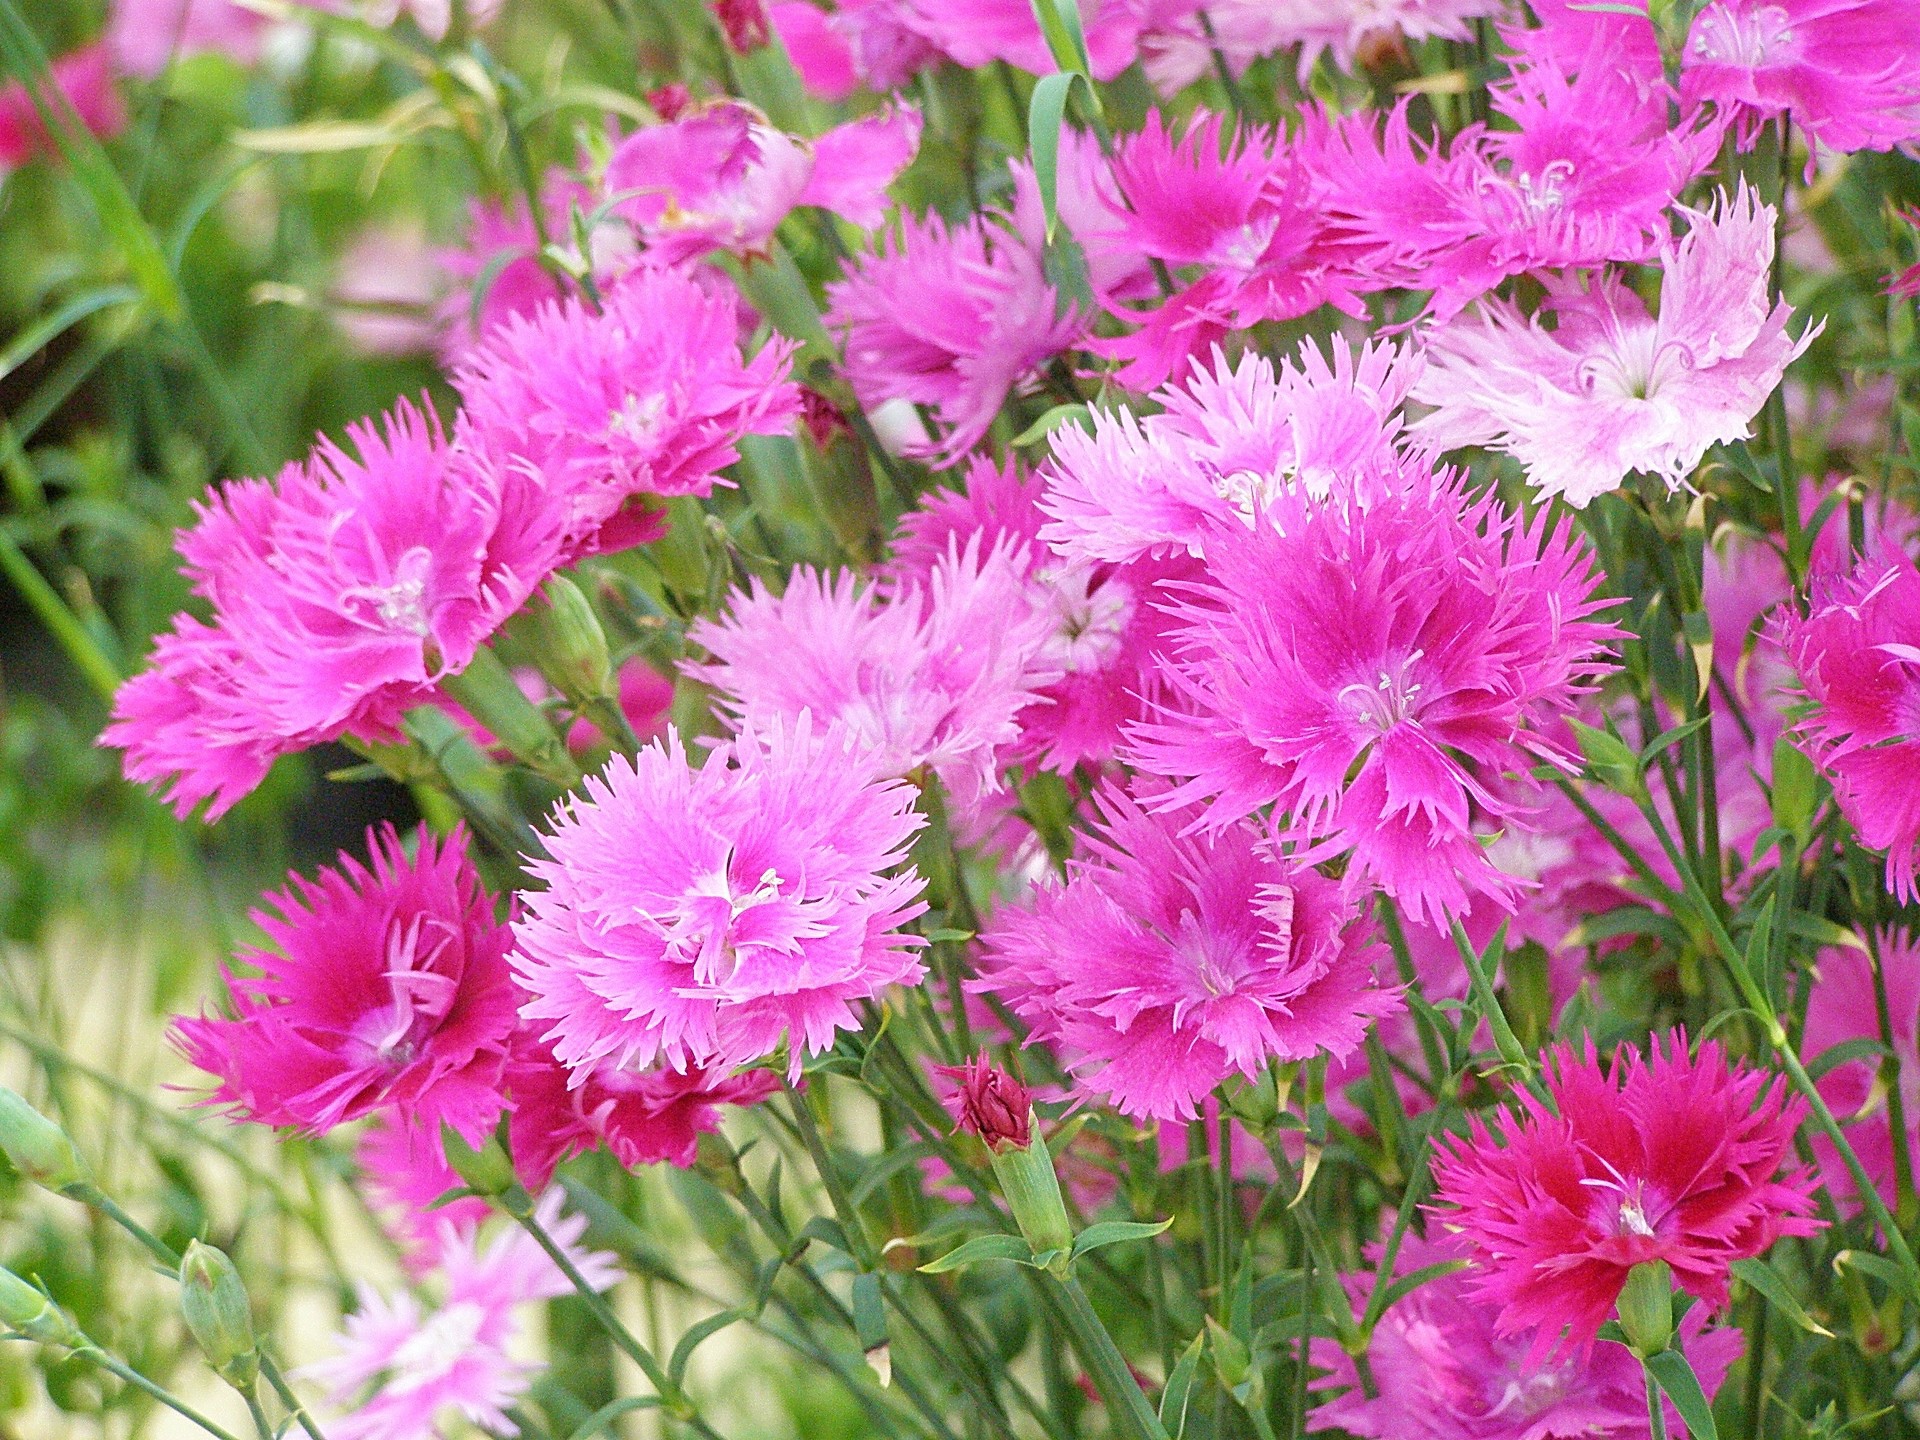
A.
pixel 270 1368
pixel 1656 1412
pixel 115 1366
pixel 251 1394
pixel 1126 1403
pixel 837 1194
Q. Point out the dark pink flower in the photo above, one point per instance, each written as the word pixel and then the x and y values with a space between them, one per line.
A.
pixel 745 23
pixel 1673 1158
pixel 988 1102
pixel 385 989
pixel 85 78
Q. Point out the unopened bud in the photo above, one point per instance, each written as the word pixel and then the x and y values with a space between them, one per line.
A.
pixel 990 1103
pixel 1646 1307
pixel 27 1311
pixel 746 24
pixel 573 646
pixel 996 1107
pixel 213 1300
pixel 487 1170
pixel 39 1149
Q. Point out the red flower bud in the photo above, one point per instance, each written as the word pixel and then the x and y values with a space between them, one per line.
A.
pixel 746 23
pixel 991 1104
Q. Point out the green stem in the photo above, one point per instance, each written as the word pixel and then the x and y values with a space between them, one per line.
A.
pixel 1126 1403
pixel 54 613
pixel 1656 1412
pixel 115 1366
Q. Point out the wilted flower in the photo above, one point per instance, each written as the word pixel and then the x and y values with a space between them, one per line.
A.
pixel 704 916
pixel 385 988
pixel 1673 1158
pixel 1171 959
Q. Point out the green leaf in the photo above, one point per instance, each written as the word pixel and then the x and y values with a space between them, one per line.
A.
pixel 1046 114
pixel 869 1311
pixel 1113 1232
pixel 1881 1268
pixel 1673 736
pixel 43 332
pixel 981 1247
pixel 1179 1388
pixel 1771 1283
pixel 1051 421
pixel 1406 1284
pixel 683 1351
pixel 1674 1375
pixel 1066 36
pixel 1610 759
pixel 597 1422
pixel 1863 1047
pixel 886 1166
pixel 1823 931
pixel 1795 790
pixel 949 937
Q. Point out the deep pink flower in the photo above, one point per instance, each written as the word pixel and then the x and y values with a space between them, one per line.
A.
pixel 501 251
pixel 1907 283
pixel 1171 959
pixel 383 988
pixel 721 178
pixel 1857 651
pixel 1443 1370
pixel 932 675
pixel 704 916
pixel 1672 1158
pixel 1843 1008
pixel 643 1117
pixel 603 409
pixel 1612 389
pixel 1223 446
pixel 1106 626
pixel 342 594
pixel 1372 664
pixel 820 53
pixel 403 1371
pixel 145 36
pixel 952 318
pixel 85 78
pixel 975 33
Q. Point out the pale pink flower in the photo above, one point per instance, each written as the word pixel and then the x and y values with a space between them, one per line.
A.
pixel 1613 389
pixel 1224 445
pixel 975 33
pixel 1171 959
pixel 876 43
pixel 501 252
pixel 434 17
pixel 403 1166
pixel 932 675
pixel 145 36
pixel 702 917
pixel 407 1372
pixel 721 178
pixel 1343 30
pixel 386 290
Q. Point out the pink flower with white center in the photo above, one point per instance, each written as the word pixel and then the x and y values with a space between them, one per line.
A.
pixel 1442 1370
pixel 406 1372
pixel 85 78
pixel 342 594
pixel 1107 625
pixel 703 917
pixel 1248 221
pixel 721 178
pixel 932 675
pixel 1857 652
pixel 1372 664
pixel 146 36
pixel 384 988
pixel 953 318
pixel 1676 1157
pixel 1845 1007
pixel 643 1117
pixel 1171 959
pixel 1613 389
pixel 1226 444
pixel 607 409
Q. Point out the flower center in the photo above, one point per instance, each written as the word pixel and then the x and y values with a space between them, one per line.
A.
pixel 437 1346
pixel 401 603
pixel 1747 39
pixel 1091 614
pixel 708 918
pixel 1391 698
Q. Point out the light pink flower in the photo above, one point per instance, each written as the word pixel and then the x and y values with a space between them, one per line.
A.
pixel 434 17
pixel 876 43
pixel 1857 652
pixel 1443 1370
pixel 1612 389
pixel 702 917
pixel 386 289
pixel 1223 446
pixel 501 251
pixel 1673 1158
pixel 384 988
pixel 975 33
pixel 1170 959
pixel 145 36
pixel 342 594
pixel 608 408
pixel 1372 665
pixel 721 178
pixel 406 1372
pixel 932 675
pixel 85 78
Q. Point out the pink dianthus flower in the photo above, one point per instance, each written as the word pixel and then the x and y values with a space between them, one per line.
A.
pixel 701 917
pixel 84 78
pixel 147 35
pixel 383 988
pixel 1172 958
pixel 1673 1158
pixel 876 43
pixel 1845 1007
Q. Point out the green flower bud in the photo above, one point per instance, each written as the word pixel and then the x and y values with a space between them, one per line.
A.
pixel 27 1311
pixel 1032 1189
pixel 573 648
pixel 38 1148
pixel 1646 1307
pixel 213 1299
pixel 487 1170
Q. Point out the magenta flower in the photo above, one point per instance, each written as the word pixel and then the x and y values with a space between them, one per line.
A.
pixel 85 78
pixel 342 594
pixel 934 675
pixel 1248 220
pixel 988 1103
pixel 1171 959
pixel 502 249
pixel 876 43
pixel 701 917
pixel 643 1117
pixel 1672 1158
pixel 1224 445
pixel 953 318
pixel 145 36
pixel 403 1372
pixel 1857 651
pixel 1443 1370
pixel 721 178
pixel 608 408
pixel 1372 665
pixel 384 989
pixel 975 33
pixel 1651 394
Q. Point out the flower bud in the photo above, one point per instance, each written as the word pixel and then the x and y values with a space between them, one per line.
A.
pixel 213 1300
pixel 27 1311
pixel 746 24
pixel 487 1170
pixel 996 1107
pixel 39 1149
pixel 574 648
pixel 1646 1307
pixel 990 1103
